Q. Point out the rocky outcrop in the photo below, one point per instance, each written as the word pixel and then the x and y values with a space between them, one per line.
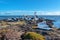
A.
pixel 15 29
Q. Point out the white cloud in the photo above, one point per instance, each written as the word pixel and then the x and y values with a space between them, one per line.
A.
pixel 23 12
pixel 48 13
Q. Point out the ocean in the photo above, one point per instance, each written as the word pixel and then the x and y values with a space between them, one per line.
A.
pixel 56 18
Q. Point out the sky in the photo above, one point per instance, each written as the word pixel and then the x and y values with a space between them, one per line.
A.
pixel 28 7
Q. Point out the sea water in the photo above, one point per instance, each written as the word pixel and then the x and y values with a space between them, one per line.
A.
pixel 56 22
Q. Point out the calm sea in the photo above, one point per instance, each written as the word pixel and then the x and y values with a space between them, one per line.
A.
pixel 56 18
pixel 56 22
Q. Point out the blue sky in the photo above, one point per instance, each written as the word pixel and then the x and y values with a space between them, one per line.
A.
pixel 28 7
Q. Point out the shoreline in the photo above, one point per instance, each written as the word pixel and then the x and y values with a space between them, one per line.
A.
pixel 22 25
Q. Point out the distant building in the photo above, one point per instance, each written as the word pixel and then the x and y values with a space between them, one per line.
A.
pixel 35 16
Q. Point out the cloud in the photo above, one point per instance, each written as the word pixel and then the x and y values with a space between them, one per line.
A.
pixel 23 12
pixel 48 13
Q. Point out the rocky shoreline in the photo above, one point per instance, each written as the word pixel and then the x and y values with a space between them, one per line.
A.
pixel 14 28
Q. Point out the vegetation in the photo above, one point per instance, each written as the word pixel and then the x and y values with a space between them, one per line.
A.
pixel 15 23
pixel 33 36
pixel 34 26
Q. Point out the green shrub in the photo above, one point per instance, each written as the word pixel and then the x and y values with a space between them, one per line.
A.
pixel 33 36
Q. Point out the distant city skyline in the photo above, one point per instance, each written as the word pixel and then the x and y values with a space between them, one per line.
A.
pixel 28 7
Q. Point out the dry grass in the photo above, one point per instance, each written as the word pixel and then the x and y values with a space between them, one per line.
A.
pixel 34 26
pixel 19 22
